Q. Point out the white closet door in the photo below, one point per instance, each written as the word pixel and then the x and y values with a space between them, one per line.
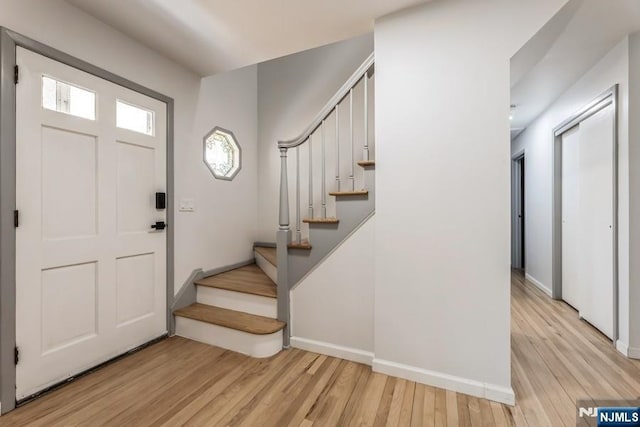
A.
pixel 596 225
pixel 571 280
pixel 587 219
pixel 90 271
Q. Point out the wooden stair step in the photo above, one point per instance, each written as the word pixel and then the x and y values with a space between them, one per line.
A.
pixel 270 254
pixel 302 245
pixel 238 320
pixel 321 220
pixel 349 193
pixel 366 163
pixel 248 280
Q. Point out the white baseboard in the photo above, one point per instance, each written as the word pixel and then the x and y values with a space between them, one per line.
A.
pixel 538 284
pixel 449 382
pixel 633 352
pixel 622 347
pixel 347 353
pixel 269 269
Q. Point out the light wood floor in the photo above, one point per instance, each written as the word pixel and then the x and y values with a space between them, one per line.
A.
pixel 555 359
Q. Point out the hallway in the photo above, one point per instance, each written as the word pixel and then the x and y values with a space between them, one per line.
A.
pixel 557 359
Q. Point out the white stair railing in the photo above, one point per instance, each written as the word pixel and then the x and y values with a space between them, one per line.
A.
pixel 327 122
pixel 330 113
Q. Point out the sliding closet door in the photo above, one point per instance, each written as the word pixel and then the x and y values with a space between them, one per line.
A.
pixel 596 204
pixel 587 219
pixel 572 283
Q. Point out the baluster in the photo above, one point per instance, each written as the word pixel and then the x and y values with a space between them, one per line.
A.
pixel 353 184
pixel 284 191
pixel 366 117
pixel 324 178
pixel 310 178
pixel 298 221
pixel 337 147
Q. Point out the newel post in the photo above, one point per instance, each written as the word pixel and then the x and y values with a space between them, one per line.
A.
pixel 284 191
pixel 283 239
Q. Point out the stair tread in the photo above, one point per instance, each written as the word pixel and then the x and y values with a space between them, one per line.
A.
pixel 248 280
pixel 238 320
pixel 302 245
pixel 350 193
pixel 321 220
pixel 270 254
pixel 366 163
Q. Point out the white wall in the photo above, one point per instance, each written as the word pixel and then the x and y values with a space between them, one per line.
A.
pixel 332 307
pixel 537 143
pixel 442 259
pixel 198 108
pixel 291 91
pixel 633 193
pixel 223 228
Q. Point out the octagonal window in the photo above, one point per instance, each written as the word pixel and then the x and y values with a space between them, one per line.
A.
pixel 222 153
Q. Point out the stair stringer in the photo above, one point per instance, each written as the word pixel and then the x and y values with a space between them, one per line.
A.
pixel 352 211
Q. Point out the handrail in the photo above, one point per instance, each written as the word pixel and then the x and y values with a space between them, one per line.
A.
pixel 329 107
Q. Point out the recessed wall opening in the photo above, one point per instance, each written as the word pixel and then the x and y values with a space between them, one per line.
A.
pixel 571 101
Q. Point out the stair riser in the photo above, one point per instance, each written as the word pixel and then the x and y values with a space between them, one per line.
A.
pixel 231 339
pixel 269 269
pixel 254 304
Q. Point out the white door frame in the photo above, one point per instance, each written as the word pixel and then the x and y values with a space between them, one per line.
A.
pixel 606 99
pixel 9 41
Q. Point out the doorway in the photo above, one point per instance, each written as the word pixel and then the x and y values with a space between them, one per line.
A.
pixel 518 243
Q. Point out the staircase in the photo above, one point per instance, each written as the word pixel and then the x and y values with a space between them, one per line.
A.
pixel 236 309
pixel 243 309
pixel 333 184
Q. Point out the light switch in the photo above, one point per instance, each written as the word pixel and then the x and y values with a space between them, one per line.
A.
pixel 187 205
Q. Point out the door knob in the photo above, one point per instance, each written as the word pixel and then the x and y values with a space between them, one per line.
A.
pixel 159 225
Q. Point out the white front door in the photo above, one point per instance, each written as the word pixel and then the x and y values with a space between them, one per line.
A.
pixel 90 270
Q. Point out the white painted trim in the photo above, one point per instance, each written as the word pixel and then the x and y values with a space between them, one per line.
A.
pixel 538 284
pixel 450 382
pixel 231 339
pixel 347 353
pixel 622 348
pixel 238 301
pixel 633 352
pixel 269 269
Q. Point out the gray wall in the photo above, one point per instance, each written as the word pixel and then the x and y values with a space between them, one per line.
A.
pixel 291 91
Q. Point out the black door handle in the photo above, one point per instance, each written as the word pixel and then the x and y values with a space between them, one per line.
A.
pixel 159 225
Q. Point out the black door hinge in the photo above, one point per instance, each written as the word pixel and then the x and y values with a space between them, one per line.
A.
pixel 16 74
pixel 16 218
pixel 16 355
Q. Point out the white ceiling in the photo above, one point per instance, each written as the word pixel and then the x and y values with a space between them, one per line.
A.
pixel 563 51
pixel 210 36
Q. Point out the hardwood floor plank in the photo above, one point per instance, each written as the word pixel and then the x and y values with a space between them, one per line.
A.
pixel 440 418
pixel 464 417
pixel 407 405
pixel 366 413
pixel 354 399
pixel 417 413
pixel 330 406
pixel 396 403
pixel 452 409
pixel 385 403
